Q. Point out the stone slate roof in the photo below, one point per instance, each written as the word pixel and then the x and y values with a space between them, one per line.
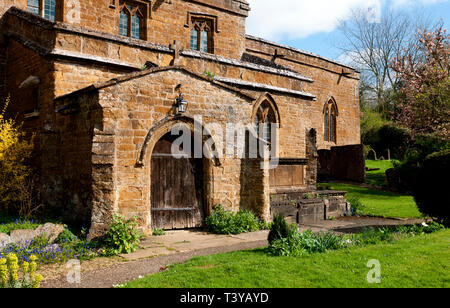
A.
pixel 251 62
pixel 246 57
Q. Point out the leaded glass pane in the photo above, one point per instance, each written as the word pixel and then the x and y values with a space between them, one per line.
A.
pixel 194 39
pixel 123 23
pixel 50 9
pixel 332 127
pixel 136 27
pixel 33 6
pixel 204 41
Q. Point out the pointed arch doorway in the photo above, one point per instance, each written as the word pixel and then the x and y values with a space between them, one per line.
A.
pixel 177 199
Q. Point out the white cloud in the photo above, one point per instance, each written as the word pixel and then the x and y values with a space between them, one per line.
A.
pixel 293 19
pixel 399 3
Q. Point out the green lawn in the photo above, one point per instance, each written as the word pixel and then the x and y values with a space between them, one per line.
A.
pixel 378 178
pixel 379 203
pixel 422 261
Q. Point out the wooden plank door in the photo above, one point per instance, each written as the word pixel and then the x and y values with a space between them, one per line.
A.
pixel 176 190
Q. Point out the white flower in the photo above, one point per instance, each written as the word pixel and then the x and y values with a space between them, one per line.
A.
pixel 349 241
pixel 424 224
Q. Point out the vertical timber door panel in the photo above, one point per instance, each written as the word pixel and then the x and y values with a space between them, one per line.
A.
pixel 177 194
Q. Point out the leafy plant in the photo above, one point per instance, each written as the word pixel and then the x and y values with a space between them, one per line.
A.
pixel 356 205
pixel 435 166
pixel 297 244
pixel 209 74
pixel 11 278
pixel 14 151
pixel 222 221
pixel 123 236
pixel 66 237
pixel 281 229
pixel 158 232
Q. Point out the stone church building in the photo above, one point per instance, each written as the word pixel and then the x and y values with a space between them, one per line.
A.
pixel 102 83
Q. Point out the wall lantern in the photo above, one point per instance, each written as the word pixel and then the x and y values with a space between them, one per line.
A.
pixel 181 103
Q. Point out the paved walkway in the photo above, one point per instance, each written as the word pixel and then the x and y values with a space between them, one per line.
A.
pixel 180 246
pixel 158 252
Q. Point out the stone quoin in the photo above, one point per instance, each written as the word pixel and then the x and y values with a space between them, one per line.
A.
pixel 98 81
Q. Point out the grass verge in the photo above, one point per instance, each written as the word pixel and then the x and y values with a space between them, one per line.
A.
pixel 417 262
pixel 378 203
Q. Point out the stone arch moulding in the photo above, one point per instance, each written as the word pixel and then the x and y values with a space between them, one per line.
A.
pixel 263 98
pixel 333 101
pixel 163 127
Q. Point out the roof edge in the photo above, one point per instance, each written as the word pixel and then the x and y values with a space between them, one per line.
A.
pixel 307 53
pixel 130 76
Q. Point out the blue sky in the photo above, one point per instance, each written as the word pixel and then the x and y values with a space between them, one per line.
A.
pixel 311 25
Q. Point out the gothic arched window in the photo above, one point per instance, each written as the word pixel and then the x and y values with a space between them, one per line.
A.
pixel 131 21
pixel 202 35
pixel 330 116
pixel 264 117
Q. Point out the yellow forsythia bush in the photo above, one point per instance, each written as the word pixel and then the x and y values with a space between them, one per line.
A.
pixel 14 151
pixel 11 278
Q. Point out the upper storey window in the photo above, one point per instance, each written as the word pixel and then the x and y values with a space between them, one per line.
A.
pixel 202 35
pixel 132 20
pixel 46 8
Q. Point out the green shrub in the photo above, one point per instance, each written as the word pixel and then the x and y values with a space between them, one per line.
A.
pixel 66 237
pixel 287 247
pixel 371 122
pixel 394 138
pixel 222 221
pixel 297 244
pixel 15 150
pixel 356 204
pixel 158 232
pixel 430 189
pixel 123 236
pixel 281 229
